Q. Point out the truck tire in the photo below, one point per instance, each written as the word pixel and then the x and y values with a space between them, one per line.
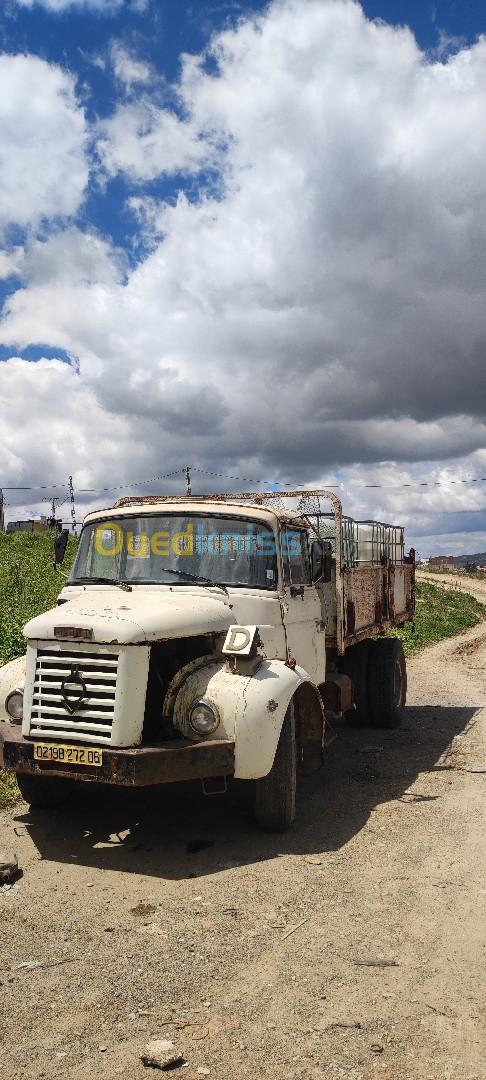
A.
pixel 387 683
pixel 275 794
pixel 354 663
pixel 43 791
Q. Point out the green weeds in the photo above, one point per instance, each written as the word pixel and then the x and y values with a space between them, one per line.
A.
pixel 441 613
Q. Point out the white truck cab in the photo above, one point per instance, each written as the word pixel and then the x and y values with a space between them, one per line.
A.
pixel 208 638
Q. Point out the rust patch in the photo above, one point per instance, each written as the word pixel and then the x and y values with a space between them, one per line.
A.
pixel 143 766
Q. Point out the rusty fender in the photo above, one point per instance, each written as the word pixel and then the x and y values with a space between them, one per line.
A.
pixel 251 709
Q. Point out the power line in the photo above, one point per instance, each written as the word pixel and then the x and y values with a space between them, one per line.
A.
pixel 36 487
pixel 246 479
pixel 95 491
pixel 426 483
pixel 352 483
pixel 87 491
pixel 133 483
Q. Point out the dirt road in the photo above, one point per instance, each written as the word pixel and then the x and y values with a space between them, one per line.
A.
pixel 171 916
pixel 476 587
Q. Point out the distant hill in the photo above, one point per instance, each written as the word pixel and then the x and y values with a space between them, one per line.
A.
pixel 479 559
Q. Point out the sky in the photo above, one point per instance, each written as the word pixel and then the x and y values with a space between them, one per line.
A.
pixel 248 238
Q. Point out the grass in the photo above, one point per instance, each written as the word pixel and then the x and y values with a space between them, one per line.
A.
pixel 441 613
pixel 29 585
pixel 9 792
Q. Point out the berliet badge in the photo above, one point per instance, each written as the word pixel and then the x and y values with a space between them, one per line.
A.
pixel 73 689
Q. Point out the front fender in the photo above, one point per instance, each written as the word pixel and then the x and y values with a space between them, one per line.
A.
pixel 252 709
pixel 12 677
pixel 261 713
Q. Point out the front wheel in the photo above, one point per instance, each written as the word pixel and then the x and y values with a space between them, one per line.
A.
pixel 43 791
pixel 275 794
pixel 387 682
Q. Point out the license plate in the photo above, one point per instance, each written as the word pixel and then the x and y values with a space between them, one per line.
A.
pixel 68 755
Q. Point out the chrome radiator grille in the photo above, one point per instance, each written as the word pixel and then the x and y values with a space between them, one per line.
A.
pixel 87 680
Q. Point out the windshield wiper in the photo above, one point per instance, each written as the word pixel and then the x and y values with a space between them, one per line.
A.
pixel 102 581
pixel 195 577
pixel 164 569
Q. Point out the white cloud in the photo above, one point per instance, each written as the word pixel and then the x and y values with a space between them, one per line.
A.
pixel 43 168
pixel 60 424
pixel 127 68
pixel 71 258
pixel 11 262
pixel 328 307
pixel 145 141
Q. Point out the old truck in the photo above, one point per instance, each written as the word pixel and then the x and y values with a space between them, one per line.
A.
pixel 210 638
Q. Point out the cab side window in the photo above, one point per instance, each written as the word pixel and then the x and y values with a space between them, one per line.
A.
pixel 295 557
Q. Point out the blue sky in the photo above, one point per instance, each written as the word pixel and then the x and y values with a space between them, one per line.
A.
pixel 159 34
pixel 267 261
pixel 75 38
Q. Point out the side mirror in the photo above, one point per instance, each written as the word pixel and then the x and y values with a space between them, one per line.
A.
pixel 321 561
pixel 60 545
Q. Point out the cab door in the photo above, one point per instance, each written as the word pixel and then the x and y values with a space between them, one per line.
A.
pixel 302 614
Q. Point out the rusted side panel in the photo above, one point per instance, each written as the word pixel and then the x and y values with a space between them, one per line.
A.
pixel 143 766
pixel 375 600
pixel 362 591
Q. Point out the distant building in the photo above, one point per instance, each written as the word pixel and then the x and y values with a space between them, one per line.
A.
pixel 35 526
pixel 443 562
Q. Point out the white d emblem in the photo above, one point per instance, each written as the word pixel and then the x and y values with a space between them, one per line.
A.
pixel 239 640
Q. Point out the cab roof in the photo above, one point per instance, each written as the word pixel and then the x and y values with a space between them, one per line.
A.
pixel 199 505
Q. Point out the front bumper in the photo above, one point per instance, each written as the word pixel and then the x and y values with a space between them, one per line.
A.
pixel 142 766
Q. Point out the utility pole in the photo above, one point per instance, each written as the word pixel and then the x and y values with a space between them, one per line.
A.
pixel 188 480
pixel 2 515
pixel 53 513
pixel 73 508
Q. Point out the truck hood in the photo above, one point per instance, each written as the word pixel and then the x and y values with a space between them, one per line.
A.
pixel 120 618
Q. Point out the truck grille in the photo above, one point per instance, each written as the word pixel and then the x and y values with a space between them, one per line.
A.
pixel 91 720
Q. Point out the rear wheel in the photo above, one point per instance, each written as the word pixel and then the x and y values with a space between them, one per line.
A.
pixel 354 663
pixel 275 794
pixel 43 791
pixel 387 683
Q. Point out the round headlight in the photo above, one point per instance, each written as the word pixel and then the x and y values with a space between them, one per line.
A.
pixel 203 717
pixel 14 705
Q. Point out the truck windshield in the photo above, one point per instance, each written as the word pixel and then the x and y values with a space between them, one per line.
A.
pixel 173 550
